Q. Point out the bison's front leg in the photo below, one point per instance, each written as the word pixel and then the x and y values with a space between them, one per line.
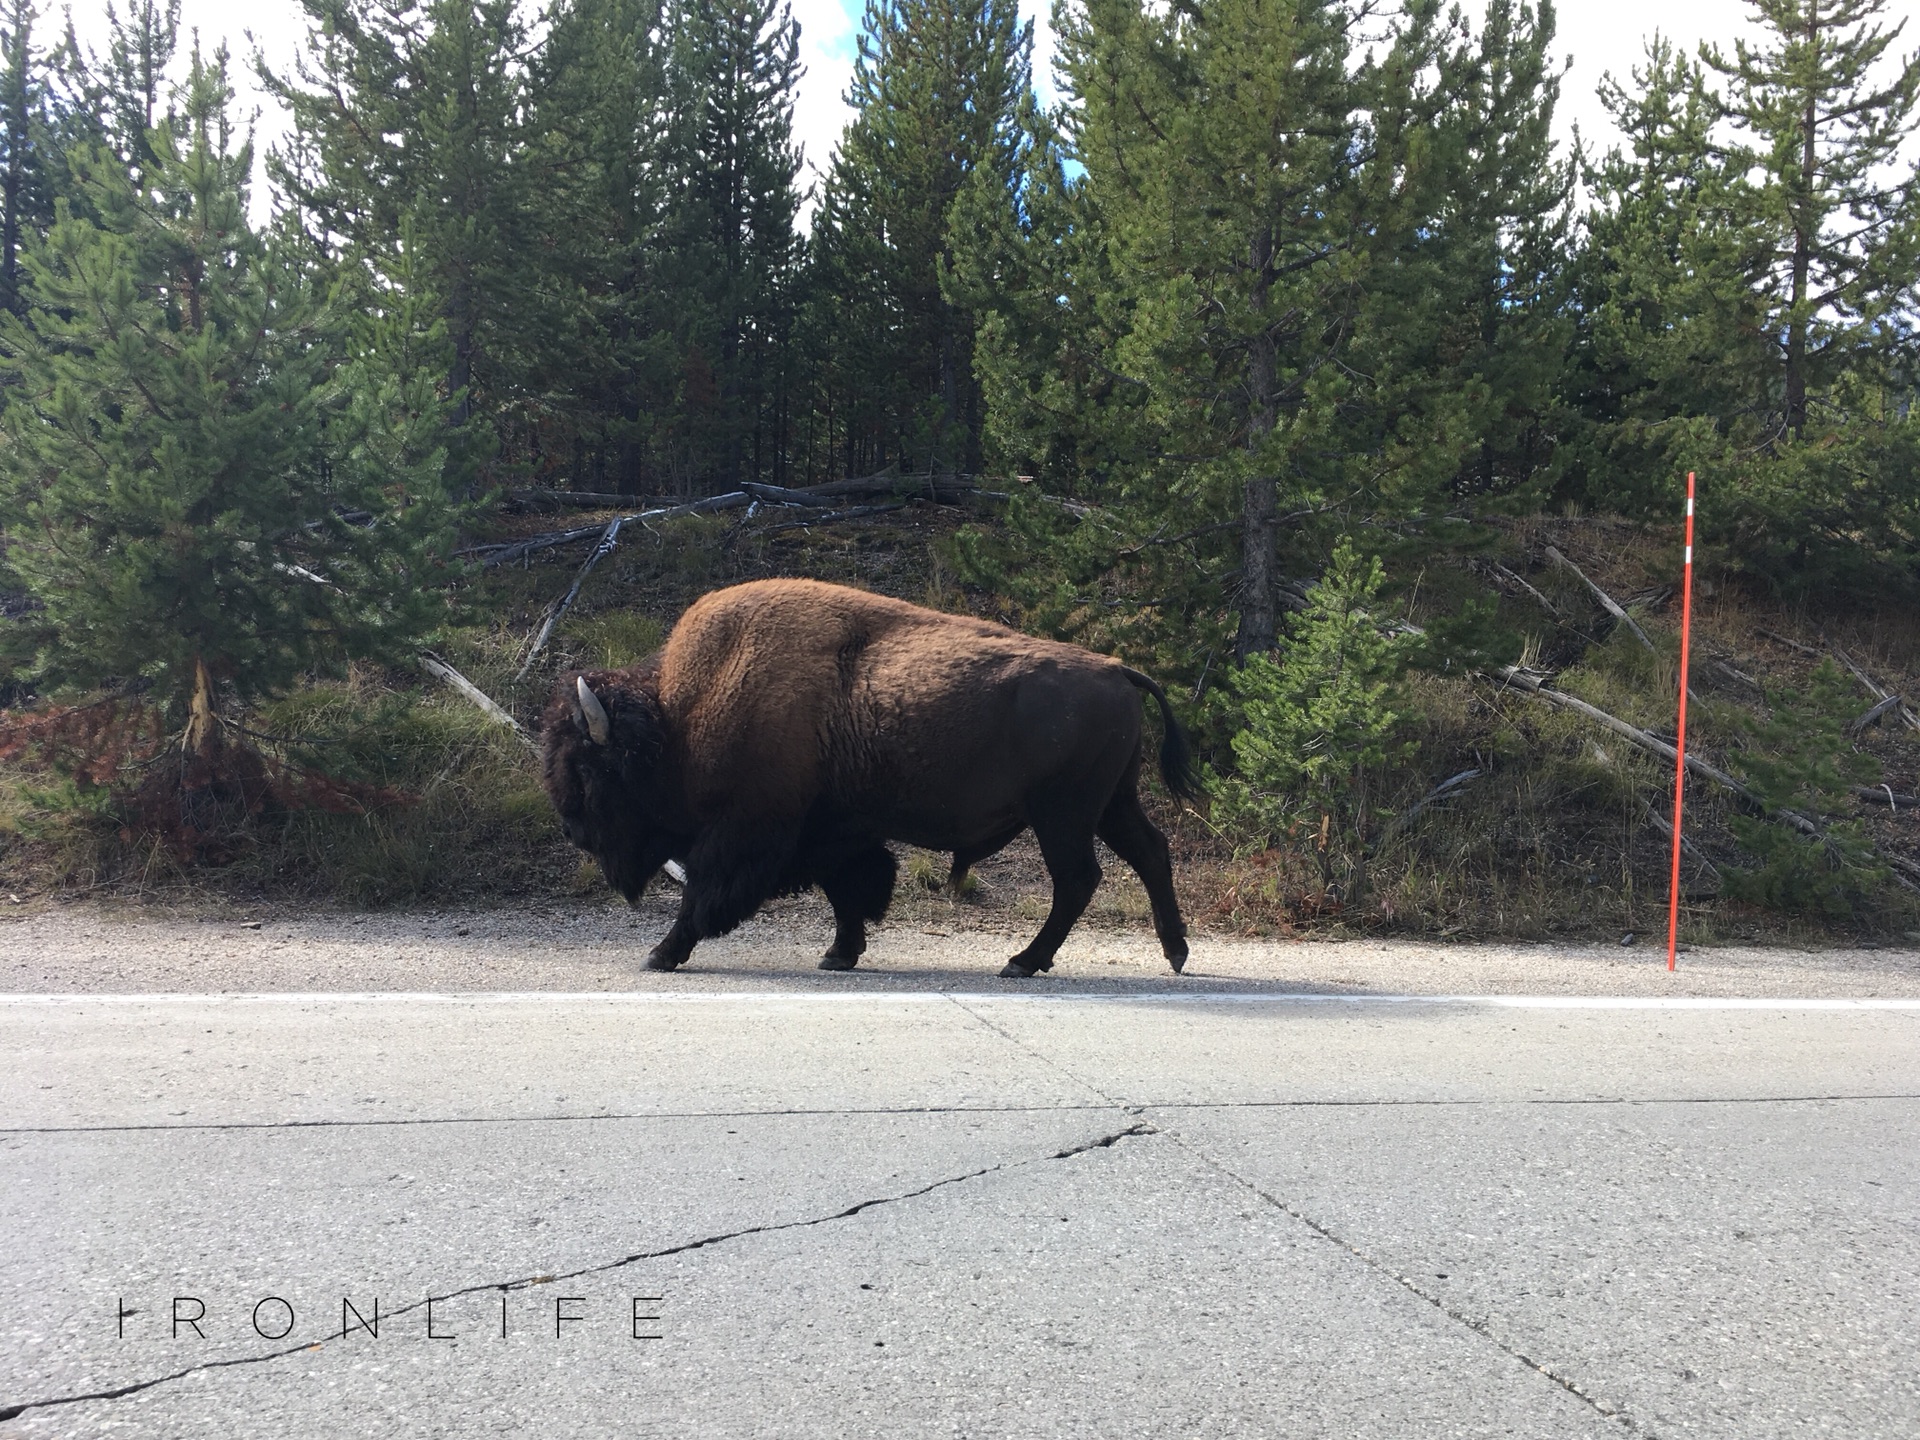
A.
pixel 730 873
pixel 677 944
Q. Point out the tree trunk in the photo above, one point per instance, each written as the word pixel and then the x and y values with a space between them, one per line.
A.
pixel 16 160
pixel 1803 244
pixel 203 736
pixel 1260 506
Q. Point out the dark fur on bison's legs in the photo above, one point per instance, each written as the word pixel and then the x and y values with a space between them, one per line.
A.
pixel 731 872
pixel 1138 841
pixel 1066 844
pixel 860 889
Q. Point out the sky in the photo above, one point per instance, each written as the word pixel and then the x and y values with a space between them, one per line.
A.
pixel 1597 36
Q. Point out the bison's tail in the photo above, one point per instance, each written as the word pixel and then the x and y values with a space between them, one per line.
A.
pixel 1176 757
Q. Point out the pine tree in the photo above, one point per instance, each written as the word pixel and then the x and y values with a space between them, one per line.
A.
pixel 409 115
pixel 731 228
pixel 601 115
pixel 938 86
pixel 31 132
pixel 1237 185
pixel 199 505
pixel 1671 354
pixel 1837 214
pixel 1747 296
pixel 139 50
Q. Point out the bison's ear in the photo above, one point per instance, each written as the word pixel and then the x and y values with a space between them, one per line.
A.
pixel 593 715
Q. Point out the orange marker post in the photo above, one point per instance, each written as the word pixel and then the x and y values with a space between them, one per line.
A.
pixel 1680 739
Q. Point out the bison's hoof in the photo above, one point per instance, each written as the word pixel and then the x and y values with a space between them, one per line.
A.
pixel 1177 959
pixel 831 961
pixel 1022 970
pixel 657 961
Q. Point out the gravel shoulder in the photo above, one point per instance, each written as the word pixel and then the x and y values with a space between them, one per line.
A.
pixel 594 945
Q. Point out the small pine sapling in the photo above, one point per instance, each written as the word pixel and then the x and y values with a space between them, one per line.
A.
pixel 1321 726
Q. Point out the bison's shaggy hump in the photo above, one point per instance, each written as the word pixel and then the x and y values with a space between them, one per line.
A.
pixel 789 728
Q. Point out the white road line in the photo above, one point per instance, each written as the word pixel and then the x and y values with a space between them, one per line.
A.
pixel 475 998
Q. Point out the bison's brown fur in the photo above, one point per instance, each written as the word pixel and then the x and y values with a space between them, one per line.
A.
pixel 789 728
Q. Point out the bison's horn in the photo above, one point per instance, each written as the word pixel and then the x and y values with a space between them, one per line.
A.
pixel 599 728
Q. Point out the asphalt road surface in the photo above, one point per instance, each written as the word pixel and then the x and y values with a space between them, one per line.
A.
pixel 1278 1197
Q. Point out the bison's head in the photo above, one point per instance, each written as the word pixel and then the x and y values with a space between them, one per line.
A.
pixel 602 741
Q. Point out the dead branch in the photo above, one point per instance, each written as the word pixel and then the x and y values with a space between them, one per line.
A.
pixel 1785 640
pixel 1445 790
pixel 1873 716
pixel 605 548
pixel 1607 601
pixel 1506 574
pixel 434 665
pixel 500 554
pixel 856 513
pixel 1875 689
pixel 567 500
pixel 1687 847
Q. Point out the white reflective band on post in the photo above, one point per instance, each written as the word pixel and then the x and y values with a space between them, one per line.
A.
pixel 1689 505
pixel 1689 554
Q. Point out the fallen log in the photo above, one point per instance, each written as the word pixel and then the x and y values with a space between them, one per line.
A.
pixel 1521 680
pixel 1873 716
pixel 1786 640
pixel 780 495
pixel 1687 847
pixel 1506 574
pixel 1532 685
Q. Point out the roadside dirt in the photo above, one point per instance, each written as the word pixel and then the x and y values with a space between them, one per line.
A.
pixel 598 945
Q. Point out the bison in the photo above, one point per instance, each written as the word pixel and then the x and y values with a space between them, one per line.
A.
pixel 789 728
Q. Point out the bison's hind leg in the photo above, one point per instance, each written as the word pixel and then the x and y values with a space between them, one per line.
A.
pixel 1065 832
pixel 860 888
pixel 1138 841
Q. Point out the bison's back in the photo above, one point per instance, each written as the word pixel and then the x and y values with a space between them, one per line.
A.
pixel 787 691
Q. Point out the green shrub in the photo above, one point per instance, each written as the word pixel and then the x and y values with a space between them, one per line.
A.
pixel 1801 759
pixel 1321 725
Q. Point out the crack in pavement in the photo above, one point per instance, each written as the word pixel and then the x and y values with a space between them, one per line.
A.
pixel 1481 1328
pixel 1104 1103
pixel 1478 1327
pixel 1103 1142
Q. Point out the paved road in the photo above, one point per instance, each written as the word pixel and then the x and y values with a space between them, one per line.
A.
pixel 960 1212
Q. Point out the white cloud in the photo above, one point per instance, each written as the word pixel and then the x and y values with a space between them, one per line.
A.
pixel 820 111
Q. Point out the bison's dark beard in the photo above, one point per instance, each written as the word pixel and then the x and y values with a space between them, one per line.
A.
pixel 630 868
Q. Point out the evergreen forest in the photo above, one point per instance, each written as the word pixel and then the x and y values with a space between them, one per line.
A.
pixel 1285 353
